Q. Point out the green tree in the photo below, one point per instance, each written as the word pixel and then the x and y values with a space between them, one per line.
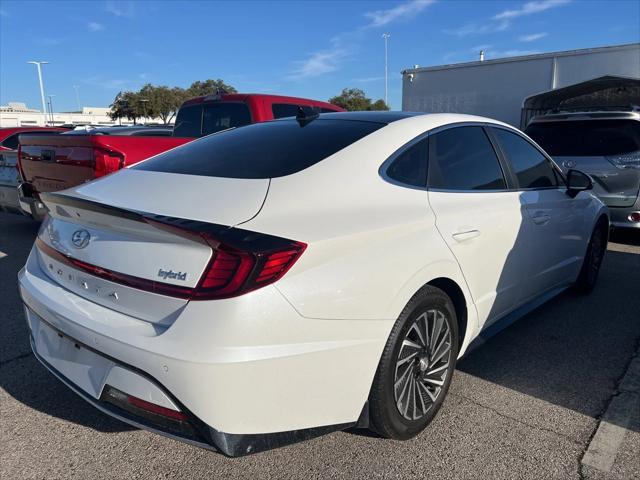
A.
pixel 208 87
pixel 126 105
pixel 160 101
pixel 354 99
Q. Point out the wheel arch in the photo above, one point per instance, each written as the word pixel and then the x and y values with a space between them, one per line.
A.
pixel 455 293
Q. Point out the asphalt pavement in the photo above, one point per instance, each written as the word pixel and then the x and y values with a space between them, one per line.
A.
pixel 555 395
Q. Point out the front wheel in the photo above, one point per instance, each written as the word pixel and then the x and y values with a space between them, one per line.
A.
pixel 593 259
pixel 416 366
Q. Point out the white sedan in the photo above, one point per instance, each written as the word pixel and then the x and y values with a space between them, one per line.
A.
pixel 282 280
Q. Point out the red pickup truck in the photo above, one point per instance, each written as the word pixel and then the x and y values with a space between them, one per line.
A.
pixel 56 162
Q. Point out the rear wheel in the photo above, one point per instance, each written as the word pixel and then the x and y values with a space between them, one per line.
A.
pixel 593 259
pixel 416 367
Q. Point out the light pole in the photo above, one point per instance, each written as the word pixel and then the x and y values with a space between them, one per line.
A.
pixel 144 108
pixel 51 108
pixel 39 64
pixel 386 70
pixel 76 87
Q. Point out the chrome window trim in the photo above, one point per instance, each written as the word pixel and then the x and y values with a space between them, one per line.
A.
pixel 382 170
pixel 531 142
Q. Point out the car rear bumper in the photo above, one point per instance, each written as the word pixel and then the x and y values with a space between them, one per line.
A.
pixel 622 217
pixel 29 204
pixel 9 199
pixel 239 398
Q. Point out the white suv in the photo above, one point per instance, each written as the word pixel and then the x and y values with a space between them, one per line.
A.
pixel 271 283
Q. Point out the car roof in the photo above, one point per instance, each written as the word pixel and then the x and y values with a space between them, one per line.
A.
pixel 424 121
pixel 241 97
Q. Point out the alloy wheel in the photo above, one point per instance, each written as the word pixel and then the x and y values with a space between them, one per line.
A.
pixel 422 364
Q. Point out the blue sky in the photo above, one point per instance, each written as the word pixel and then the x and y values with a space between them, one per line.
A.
pixel 301 48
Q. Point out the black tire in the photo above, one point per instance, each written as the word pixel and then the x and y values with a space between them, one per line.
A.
pixel 386 399
pixel 596 249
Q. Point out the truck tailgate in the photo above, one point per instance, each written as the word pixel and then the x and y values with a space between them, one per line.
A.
pixel 57 162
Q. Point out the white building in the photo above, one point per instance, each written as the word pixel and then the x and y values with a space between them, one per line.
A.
pixel 17 114
pixel 517 88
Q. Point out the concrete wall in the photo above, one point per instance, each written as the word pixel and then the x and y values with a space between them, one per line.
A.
pixel 497 88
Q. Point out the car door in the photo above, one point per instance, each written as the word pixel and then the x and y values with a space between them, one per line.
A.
pixel 557 220
pixel 479 217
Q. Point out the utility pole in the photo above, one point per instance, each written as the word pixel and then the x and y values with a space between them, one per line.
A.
pixel 144 109
pixel 51 108
pixel 386 68
pixel 39 64
pixel 76 87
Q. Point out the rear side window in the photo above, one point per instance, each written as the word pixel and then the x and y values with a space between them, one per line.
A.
pixel 261 150
pixel 282 110
pixel 530 166
pixel 462 158
pixel 410 167
pixel 189 122
pixel 221 116
pixel 587 138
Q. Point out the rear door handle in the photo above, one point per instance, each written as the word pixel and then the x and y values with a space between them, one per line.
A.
pixel 465 235
pixel 541 218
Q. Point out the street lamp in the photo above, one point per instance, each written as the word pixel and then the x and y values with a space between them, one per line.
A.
pixel 144 108
pixel 39 64
pixel 386 71
pixel 76 87
pixel 51 108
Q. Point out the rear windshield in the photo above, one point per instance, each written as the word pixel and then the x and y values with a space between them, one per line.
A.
pixel 588 138
pixel 262 150
pixel 199 120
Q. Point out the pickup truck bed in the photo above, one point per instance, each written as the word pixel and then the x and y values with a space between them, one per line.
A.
pixel 56 162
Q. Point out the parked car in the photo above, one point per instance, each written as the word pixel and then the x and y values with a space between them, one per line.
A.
pixel 8 161
pixel 294 277
pixel 52 163
pixel 606 145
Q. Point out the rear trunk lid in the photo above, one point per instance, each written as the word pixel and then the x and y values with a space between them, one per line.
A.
pixel 110 225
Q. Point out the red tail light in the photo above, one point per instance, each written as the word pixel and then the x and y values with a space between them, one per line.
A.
pixel 105 162
pixel 231 271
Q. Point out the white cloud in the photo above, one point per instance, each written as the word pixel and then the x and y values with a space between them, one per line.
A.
pixel 108 83
pixel 379 18
pixel 478 29
pixel 95 26
pixel 532 37
pixel 120 9
pixel 529 8
pixel 317 64
pixel 368 79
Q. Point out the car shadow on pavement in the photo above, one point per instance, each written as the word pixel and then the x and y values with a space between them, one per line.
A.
pixel 21 375
pixel 573 350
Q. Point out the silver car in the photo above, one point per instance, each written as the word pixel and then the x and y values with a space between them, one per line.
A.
pixel 606 145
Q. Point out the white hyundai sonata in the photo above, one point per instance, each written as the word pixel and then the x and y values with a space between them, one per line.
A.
pixel 275 282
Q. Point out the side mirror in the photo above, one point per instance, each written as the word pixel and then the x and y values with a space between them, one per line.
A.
pixel 577 182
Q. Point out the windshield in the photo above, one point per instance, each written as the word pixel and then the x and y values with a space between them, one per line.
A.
pixel 587 138
pixel 199 120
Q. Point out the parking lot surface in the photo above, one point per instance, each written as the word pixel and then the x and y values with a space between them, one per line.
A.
pixel 528 403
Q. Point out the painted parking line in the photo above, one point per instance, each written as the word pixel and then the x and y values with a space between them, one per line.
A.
pixel 602 451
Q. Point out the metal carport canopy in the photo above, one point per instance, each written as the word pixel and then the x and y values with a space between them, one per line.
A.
pixel 604 92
